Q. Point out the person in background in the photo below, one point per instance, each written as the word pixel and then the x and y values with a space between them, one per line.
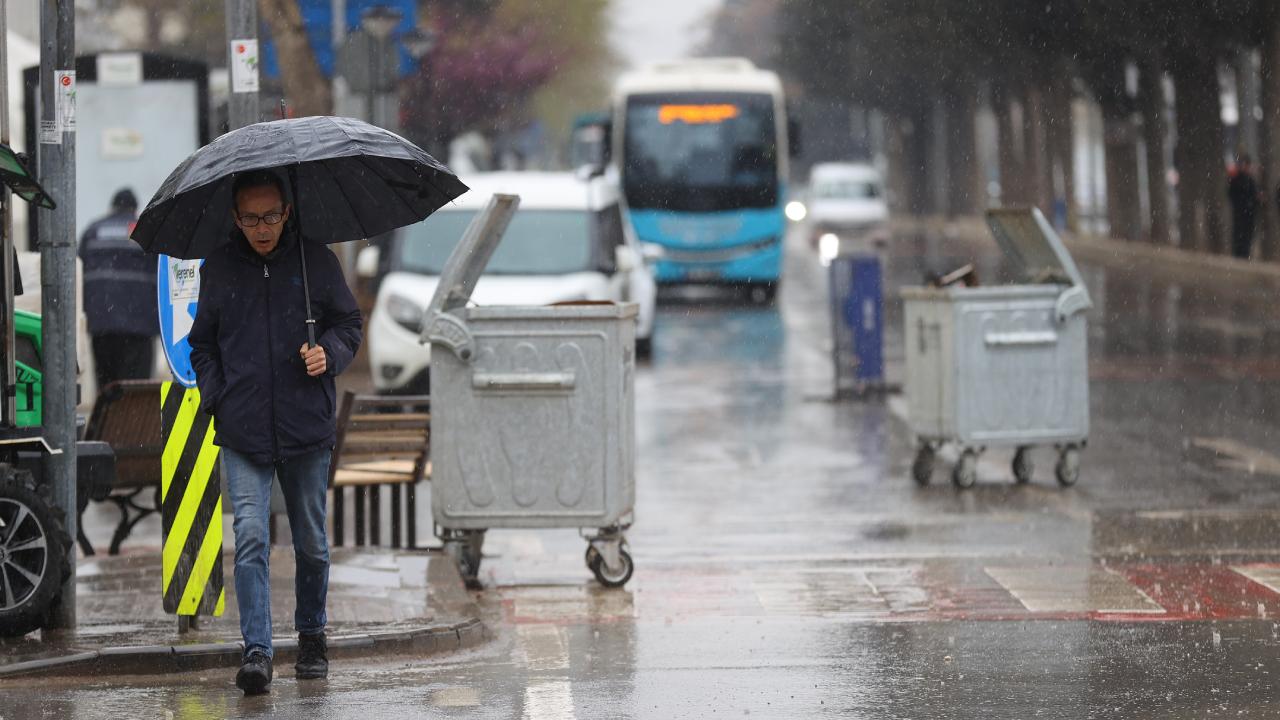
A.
pixel 1242 191
pixel 119 295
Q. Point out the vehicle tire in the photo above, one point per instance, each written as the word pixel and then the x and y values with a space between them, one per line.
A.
pixel 1023 467
pixel 1068 468
pixel 644 348
pixel 604 576
pixel 466 551
pixel 922 468
pixel 33 552
pixel 965 473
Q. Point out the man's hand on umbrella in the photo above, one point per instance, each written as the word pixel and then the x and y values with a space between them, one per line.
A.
pixel 315 360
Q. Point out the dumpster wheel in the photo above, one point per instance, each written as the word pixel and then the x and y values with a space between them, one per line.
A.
pixel 965 473
pixel 1023 467
pixel 33 552
pixel 610 579
pixel 1068 468
pixel 922 468
pixel 465 547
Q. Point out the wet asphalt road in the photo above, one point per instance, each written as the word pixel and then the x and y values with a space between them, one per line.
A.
pixel 788 567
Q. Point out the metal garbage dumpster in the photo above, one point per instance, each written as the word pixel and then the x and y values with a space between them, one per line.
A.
pixel 532 417
pixel 1002 365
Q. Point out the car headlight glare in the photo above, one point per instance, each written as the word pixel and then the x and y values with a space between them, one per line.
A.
pixel 796 211
pixel 828 248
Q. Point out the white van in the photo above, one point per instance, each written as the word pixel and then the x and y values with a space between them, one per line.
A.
pixel 848 200
pixel 566 242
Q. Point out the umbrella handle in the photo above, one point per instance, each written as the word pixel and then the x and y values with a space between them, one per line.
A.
pixel 302 257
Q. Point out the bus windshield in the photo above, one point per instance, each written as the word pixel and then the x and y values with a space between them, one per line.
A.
pixel 700 152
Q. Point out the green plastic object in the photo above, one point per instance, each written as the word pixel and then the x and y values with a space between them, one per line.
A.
pixel 30 366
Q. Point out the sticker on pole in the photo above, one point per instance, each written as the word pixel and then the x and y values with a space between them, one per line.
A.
pixel 65 100
pixel 244 65
pixel 178 289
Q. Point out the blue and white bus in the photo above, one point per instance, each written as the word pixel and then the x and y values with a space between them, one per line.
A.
pixel 701 148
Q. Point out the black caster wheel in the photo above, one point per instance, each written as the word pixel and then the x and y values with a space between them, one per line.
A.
pixel 610 579
pixel 33 552
pixel 965 473
pixel 1023 467
pixel 922 468
pixel 1068 468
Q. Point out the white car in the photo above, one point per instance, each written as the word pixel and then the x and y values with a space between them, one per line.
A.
pixel 847 202
pixel 566 242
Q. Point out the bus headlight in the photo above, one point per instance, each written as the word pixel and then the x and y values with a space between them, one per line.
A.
pixel 796 211
pixel 828 248
pixel 405 312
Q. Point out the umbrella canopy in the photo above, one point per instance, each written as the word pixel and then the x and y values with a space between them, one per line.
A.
pixel 349 180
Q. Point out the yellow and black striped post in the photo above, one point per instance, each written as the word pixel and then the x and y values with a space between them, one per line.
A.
pixel 191 506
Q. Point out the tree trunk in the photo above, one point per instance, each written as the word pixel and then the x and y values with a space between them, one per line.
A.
pixel 1059 134
pixel 964 177
pixel 1035 148
pixel 1199 154
pixel 1124 212
pixel 896 149
pixel 306 89
pixel 1156 130
pixel 1269 162
pixel 917 145
pixel 1012 180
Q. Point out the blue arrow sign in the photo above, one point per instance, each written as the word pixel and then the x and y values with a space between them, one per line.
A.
pixel 178 288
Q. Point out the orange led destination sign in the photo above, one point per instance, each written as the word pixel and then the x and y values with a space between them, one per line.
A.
pixel 696 114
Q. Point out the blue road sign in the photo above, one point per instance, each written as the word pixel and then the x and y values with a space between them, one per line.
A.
pixel 864 314
pixel 178 288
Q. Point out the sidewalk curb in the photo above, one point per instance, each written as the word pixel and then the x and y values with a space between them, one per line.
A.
pixel 1191 264
pixel 164 659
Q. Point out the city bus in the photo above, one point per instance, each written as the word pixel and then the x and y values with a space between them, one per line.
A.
pixel 701 147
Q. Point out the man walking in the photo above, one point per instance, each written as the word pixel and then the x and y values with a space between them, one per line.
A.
pixel 119 295
pixel 272 399
pixel 1242 191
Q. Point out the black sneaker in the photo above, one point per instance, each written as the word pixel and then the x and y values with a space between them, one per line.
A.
pixel 313 660
pixel 255 672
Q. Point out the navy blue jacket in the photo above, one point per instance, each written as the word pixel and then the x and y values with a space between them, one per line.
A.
pixel 119 279
pixel 249 327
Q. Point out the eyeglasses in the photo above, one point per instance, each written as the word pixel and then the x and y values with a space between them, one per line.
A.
pixel 271 218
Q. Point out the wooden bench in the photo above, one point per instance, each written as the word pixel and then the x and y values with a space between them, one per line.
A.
pixel 126 416
pixel 382 441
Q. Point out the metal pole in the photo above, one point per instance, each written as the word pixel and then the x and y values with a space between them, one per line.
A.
pixel 58 271
pixel 375 76
pixel 8 399
pixel 242 24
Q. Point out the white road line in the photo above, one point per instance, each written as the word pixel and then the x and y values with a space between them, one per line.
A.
pixel 1072 589
pixel 546 651
pixel 549 700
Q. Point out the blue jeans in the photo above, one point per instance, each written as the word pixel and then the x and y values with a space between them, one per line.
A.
pixel 304 481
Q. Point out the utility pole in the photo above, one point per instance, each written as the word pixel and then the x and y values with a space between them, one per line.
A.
pixel 242 59
pixel 8 399
pixel 57 239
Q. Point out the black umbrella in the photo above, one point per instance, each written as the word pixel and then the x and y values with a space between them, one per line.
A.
pixel 349 180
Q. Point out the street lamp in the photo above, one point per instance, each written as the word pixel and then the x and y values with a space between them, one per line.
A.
pixel 379 22
pixel 418 42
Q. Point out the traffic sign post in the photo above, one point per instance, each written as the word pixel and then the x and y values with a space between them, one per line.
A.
pixel 178 289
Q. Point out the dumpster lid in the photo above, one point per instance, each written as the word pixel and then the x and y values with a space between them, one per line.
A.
pixel 1030 242
pixel 468 260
